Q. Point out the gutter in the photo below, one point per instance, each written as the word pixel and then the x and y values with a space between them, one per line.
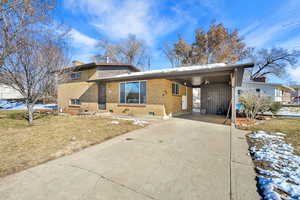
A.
pixel 172 73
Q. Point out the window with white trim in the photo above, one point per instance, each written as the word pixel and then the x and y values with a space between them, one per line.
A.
pixel 75 102
pixel 278 92
pixel 134 92
pixel 75 76
pixel 175 88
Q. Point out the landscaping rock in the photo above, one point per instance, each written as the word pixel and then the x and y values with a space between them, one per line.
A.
pixel 73 138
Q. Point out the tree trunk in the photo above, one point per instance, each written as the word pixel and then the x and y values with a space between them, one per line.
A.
pixel 30 113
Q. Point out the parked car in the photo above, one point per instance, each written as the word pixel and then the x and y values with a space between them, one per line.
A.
pixel 296 100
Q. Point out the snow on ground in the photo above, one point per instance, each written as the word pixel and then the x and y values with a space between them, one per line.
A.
pixel 4 105
pixel 196 110
pixel 134 121
pixel 284 167
pixel 287 111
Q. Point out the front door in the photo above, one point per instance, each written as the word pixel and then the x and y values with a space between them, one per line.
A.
pixel 102 96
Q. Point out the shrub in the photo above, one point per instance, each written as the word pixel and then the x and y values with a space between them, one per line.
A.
pixel 275 107
pixel 254 103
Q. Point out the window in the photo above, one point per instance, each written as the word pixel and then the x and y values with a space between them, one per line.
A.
pixel 133 92
pixel 75 102
pixel 75 76
pixel 278 92
pixel 175 88
pixel 239 92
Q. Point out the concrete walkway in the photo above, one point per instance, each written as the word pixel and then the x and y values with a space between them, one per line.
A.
pixel 178 159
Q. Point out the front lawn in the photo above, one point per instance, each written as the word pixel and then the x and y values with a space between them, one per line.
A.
pixel 289 126
pixel 51 136
pixel 275 149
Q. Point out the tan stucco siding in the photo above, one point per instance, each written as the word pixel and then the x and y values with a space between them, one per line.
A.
pixel 86 92
pixel 160 99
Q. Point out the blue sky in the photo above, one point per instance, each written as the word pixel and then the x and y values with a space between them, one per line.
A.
pixel 267 23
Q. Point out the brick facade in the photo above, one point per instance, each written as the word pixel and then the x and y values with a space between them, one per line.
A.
pixel 160 100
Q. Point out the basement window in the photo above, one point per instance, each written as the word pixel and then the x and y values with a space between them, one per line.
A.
pixel 175 88
pixel 75 102
pixel 75 76
pixel 133 92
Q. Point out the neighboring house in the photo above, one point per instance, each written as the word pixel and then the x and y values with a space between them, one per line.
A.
pixel 123 89
pixel 296 93
pixel 9 93
pixel 278 92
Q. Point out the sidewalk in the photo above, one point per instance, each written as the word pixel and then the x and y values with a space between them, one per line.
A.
pixel 243 183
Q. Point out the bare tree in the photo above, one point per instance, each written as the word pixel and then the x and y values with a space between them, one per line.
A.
pixel 30 70
pixel 16 16
pixel 127 51
pixel 272 61
pixel 108 52
pixel 218 44
pixel 170 53
pixel 184 52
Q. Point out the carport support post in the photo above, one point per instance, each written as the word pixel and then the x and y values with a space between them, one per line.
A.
pixel 233 99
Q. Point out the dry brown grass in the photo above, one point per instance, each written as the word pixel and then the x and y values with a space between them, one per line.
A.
pixel 289 126
pixel 23 146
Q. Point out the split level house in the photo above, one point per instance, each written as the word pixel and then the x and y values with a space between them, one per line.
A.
pixel 124 89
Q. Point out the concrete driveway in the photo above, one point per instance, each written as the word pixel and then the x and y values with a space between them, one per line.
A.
pixel 178 159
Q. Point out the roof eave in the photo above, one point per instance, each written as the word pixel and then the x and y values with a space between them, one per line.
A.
pixel 159 74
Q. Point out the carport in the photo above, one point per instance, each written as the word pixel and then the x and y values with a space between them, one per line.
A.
pixel 217 86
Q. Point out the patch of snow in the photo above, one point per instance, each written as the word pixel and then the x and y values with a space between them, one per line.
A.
pixel 22 106
pixel 134 121
pixel 287 111
pixel 284 172
pixel 281 134
pixel 196 110
pixel 139 122
pixel 115 122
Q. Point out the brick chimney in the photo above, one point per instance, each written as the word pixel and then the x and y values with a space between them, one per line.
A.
pixel 260 79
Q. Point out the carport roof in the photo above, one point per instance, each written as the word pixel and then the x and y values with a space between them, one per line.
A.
pixel 176 72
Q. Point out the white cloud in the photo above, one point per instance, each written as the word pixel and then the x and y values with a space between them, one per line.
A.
pixel 79 39
pixel 117 19
pixel 294 74
pixel 281 22
pixel 90 6
pixel 259 36
pixel 82 45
